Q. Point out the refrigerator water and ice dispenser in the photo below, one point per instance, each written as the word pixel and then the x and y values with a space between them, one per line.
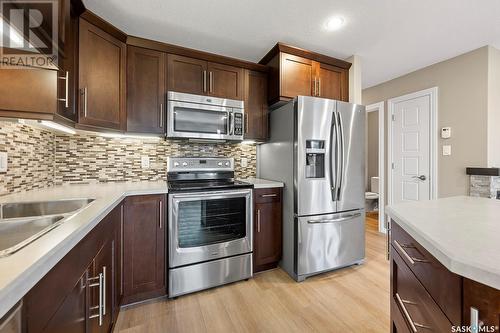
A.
pixel 315 159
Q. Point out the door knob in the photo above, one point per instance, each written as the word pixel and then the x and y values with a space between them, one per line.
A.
pixel 421 177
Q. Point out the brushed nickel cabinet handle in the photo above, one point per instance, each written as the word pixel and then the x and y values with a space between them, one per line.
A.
pixel 204 81
pixel 161 115
pixel 413 325
pixel 314 87
pixel 161 213
pixel 104 290
pixel 211 81
pixel 319 86
pixel 258 220
pixel 66 93
pixel 411 259
pixel 475 323
pixel 99 307
pixel 269 195
pixel 85 100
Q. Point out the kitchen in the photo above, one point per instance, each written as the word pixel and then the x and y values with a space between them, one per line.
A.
pixel 150 184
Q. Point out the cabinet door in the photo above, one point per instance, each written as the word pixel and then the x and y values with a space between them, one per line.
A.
pixel 225 81
pixel 144 248
pixel 101 78
pixel 332 82
pixel 71 315
pixel 256 112
pixel 187 75
pixel 297 76
pixel 103 264
pixel 267 229
pixel 484 299
pixel 145 90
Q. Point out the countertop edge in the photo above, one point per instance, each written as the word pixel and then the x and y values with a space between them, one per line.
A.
pixel 454 265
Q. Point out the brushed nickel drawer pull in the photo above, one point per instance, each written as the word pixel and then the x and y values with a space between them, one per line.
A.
pixel 269 195
pixel 258 220
pixel 161 214
pixel 100 306
pixel 411 259
pixel 413 324
pixel 204 81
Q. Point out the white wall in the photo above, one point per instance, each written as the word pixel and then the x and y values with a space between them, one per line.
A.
pixel 493 107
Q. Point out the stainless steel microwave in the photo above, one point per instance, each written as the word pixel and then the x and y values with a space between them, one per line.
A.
pixel 203 117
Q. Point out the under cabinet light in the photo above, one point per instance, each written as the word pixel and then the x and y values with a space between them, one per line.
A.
pixel 57 127
pixel 248 142
pixel 128 136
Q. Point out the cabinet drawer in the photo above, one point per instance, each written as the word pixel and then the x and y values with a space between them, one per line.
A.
pixel 398 323
pixel 413 301
pixel 444 286
pixel 266 195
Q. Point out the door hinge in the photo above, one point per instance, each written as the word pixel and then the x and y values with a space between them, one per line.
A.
pixel 393 117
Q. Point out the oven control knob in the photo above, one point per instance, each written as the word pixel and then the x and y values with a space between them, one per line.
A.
pixel 184 164
pixel 219 163
pixel 176 164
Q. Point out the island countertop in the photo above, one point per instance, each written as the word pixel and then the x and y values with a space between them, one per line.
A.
pixel 463 233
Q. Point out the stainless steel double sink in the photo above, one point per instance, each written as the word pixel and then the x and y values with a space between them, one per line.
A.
pixel 23 222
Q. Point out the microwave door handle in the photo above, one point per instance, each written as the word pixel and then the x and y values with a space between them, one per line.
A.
pixel 231 123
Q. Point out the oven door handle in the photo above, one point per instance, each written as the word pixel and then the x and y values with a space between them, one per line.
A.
pixel 212 195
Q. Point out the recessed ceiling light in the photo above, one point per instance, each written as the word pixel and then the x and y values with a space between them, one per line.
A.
pixel 334 23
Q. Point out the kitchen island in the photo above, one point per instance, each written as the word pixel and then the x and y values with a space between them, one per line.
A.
pixel 445 265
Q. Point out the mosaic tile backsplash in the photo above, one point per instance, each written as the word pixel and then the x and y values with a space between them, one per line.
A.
pixel 31 157
pixel 39 158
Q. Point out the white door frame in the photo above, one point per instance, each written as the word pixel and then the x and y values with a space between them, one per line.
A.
pixel 380 107
pixel 433 130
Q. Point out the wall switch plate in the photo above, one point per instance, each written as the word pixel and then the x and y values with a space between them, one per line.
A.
pixel 446 150
pixel 244 162
pixel 3 161
pixel 145 162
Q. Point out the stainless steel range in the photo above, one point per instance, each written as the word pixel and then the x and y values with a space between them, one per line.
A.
pixel 209 224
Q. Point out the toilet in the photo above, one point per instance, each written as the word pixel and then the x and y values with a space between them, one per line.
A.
pixel 371 198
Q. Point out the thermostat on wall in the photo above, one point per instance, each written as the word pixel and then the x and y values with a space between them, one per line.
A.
pixel 446 132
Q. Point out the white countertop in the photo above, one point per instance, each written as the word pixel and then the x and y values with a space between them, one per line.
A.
pixel 463 233
pixel 263 183
pixel 23 269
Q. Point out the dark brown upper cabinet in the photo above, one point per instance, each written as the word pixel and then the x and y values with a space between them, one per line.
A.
pixel 256 111
pixel 294 72
pixel 146 90
pixel 144 248
pixel 195 76
pixel 187 75
pixel 101 78
pixel 225 81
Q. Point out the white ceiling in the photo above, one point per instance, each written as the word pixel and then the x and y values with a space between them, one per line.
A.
pixel 392 37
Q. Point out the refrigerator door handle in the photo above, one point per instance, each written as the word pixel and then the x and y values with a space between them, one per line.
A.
pixel 333 183
pixel 340 219
pixel 340 157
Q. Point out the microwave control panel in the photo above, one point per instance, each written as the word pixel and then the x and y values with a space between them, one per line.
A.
pixel 238 124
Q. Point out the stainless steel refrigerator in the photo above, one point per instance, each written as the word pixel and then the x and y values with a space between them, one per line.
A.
pixel 317 148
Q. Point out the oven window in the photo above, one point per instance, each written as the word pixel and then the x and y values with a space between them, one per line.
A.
pixel 206 222
pixel 200 121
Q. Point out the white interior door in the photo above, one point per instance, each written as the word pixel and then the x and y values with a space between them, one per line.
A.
pixel 411 149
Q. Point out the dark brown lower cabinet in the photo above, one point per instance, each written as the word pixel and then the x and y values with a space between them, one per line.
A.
pixel 267 242
pixel 426 297
pixel 67 298
pixel 144 248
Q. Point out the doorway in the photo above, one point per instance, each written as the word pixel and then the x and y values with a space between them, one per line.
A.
pixel 412 147
pixel 375 169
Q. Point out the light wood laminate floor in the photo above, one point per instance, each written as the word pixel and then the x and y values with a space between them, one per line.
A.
pixel 354 299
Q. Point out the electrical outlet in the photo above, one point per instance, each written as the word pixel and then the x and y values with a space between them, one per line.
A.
pixel 3 161
pixel 244 162
pixel 145 162
pixel 446 150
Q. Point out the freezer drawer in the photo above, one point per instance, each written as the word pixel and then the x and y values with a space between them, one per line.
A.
pixel 326 242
